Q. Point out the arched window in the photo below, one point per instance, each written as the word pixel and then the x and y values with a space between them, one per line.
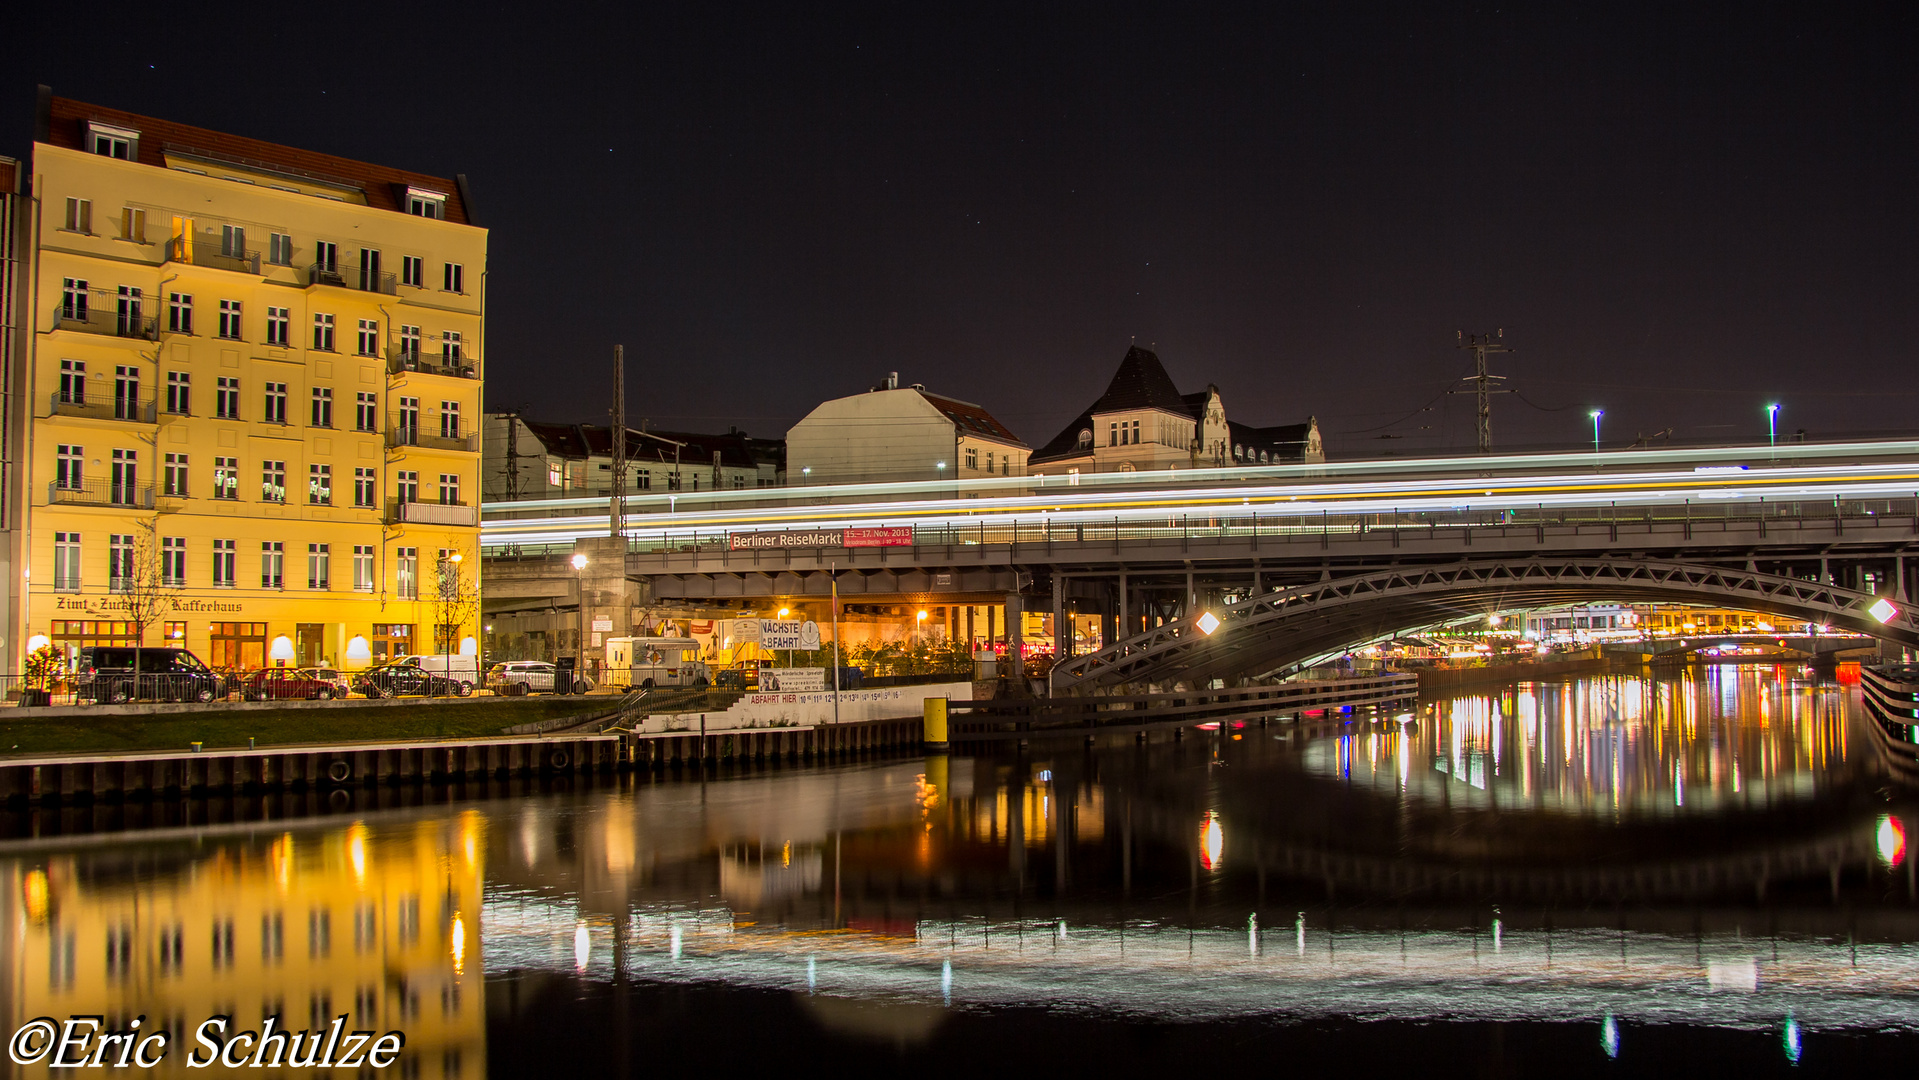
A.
pixel 1125 466
pixel 1085 438
pixel 1239 452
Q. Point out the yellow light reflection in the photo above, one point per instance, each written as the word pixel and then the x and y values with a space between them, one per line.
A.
pixel 459 945
pixel 1212 840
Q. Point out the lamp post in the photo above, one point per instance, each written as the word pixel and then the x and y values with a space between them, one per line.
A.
pixel 1772 426
pixel 1596 414
pixel 579 585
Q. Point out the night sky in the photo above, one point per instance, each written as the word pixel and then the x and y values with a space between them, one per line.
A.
pixel 1677 213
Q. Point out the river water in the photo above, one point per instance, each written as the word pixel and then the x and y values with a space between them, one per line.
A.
pixel 1704 873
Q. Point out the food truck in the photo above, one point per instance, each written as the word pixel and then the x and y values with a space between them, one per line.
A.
pixel 655 661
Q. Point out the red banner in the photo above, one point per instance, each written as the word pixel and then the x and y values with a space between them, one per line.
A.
pixel 896 536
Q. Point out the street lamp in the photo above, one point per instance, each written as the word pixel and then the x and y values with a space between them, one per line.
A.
pixel 1772 425
pixel 919 627
pixel 1596 414
pixel 579 582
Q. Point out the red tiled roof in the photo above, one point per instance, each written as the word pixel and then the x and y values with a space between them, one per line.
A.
pixel 972 419
pixel 384 186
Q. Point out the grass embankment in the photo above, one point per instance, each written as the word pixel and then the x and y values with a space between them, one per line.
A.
pixel 21 732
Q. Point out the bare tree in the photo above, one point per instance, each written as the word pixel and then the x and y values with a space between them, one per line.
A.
pixel 142 587
pixel 456 602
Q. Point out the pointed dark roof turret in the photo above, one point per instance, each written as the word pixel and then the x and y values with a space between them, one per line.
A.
pixel 1140 383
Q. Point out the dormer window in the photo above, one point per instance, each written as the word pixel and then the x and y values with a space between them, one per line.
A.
pixel 1085 438
pixel 426 204
pixel 113 142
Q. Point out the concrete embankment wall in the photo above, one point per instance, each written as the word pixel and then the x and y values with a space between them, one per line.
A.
pixel 810 709
pixel 1443 679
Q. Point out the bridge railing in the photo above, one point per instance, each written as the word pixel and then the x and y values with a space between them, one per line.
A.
pixel 1693 519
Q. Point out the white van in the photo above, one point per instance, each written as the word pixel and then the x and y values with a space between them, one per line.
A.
pixel 655 661
pixel 462 668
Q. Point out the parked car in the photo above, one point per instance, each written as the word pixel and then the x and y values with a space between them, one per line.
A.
pixel 462 668
pixel 286 684
pixel 744 675
pixel 342 685
pixel 122 673
pixel 406 676
pixel 536 675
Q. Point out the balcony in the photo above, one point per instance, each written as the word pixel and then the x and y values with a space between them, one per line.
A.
pixel 213 250
pixel 402 363
pixel 106 320
pixel 360 278
pixel 426 513
pixel 101 493
pixel 132 410
pixel 413 436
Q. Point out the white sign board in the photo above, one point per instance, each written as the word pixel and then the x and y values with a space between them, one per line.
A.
pixel 784 634
pixel 603 626
pixel 809 635
pixel 745 630
pixel 787 680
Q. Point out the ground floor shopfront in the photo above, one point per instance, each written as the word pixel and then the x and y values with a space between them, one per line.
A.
pixel 243 631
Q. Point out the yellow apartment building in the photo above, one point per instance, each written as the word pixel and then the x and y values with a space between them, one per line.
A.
pixel 254 391
pixel 380 923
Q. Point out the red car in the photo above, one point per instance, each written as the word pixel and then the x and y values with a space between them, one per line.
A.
pixel 283 684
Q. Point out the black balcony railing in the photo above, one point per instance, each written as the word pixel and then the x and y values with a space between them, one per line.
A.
pixel 431 440
pixel 101 493
pixel 400 363
pixel 102 407
pixel 108 320
pixel 346 276
pixel 213 250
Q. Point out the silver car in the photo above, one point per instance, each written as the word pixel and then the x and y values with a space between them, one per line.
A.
pixel 536 675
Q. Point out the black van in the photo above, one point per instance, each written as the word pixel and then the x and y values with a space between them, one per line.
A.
pixel 123 673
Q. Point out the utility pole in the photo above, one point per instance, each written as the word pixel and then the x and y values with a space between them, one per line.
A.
pixel 1482 345
pixel 616 510
pixel 512 456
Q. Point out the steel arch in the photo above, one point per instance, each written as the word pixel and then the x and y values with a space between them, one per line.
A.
pixel 1279 628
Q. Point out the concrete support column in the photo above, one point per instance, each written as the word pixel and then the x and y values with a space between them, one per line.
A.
pixel 1015 608
pixel 1125 626
pixel 1062 633
pixel 605 594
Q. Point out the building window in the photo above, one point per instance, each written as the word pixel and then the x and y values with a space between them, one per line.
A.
pixel 179 313
pixel 454 278
pixel 319 566
pixel 272 555
pixel 112 142
pixel 73 299
pixel 323 332
pixel 80 215
pixel 972 457
pixel 179 393
pixel 410 344
pixel 391 639
pixel 322 407
pixel 407 486
pixel 226 398
pixel 226 478
pixel 73 382
pixel 413 271
pixel 233 241
pixel 320 485
pixel 66 561
pixel 409 420
pixel 125 477
pixel 450 348
pixel 68 465
pixel 363 568
pixel 133 224
pixel 223 551
pixel 326 258
pixel 131 324
pixel 276 403
pixel 126 392
pixel 450 489
pixel 279 327
pixel 173 561
pixel 427 204
pixel 120 562
pixel 1135 439
pixel 369 338
pixel 230 319
pixel 273 481
pixel 643 478
pixel 406 564
pixel 449 419
pixel 1112 434
pixel 366 411
pixel 175 478
pixel 280 249
pixel 363 487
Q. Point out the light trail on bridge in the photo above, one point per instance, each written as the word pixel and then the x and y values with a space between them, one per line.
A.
pixel 1575 484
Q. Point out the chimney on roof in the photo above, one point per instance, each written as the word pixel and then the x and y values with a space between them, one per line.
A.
pixel 921 387
pixel 892 380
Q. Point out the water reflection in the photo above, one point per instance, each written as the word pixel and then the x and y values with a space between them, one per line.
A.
pixel 1712 851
